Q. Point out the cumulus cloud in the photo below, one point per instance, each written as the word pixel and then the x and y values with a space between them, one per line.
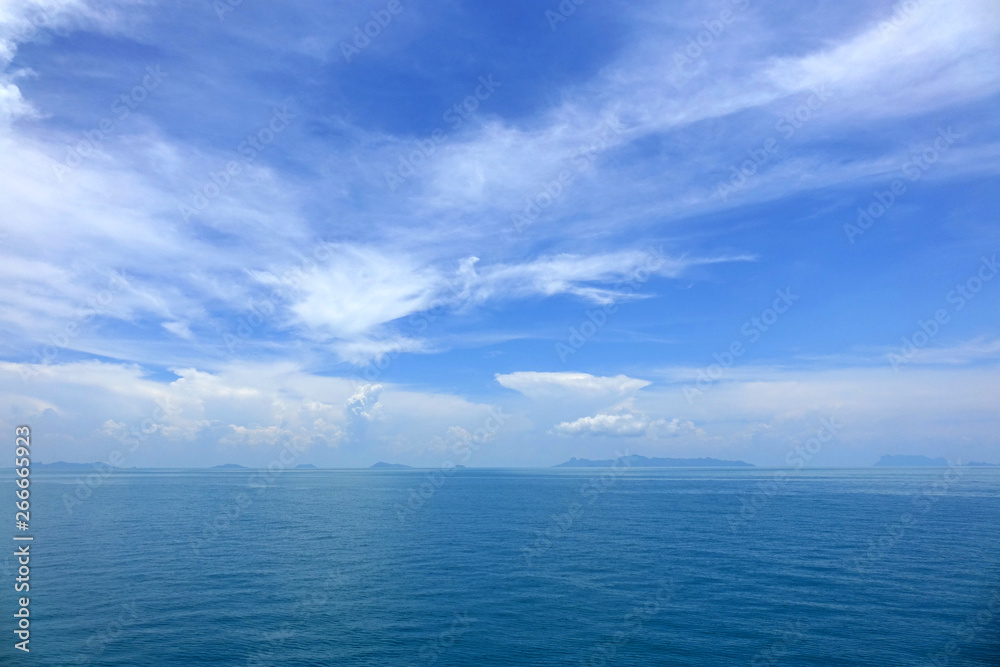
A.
pixel 459 441
pixel 625 422
pixel 662 428
pixel 114 430
pixel 88 408
pixel 622 424
pixel 93 404
pixel 255 437
pixel 364 405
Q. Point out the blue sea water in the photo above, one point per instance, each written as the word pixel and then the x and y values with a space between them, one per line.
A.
pixel 513 567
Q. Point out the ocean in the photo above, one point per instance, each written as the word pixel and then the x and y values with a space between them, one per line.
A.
pixel 512 567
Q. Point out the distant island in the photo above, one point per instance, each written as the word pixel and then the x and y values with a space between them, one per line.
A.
pixel 917 460
pixel 637 461
pixel 381 465
pixel 229 466
pixel 305 466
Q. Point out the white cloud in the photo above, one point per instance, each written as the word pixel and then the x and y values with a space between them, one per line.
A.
pixel 364 404
pixel 363 350
pixel 574 274
pixel 625 421
pixel 623 424
pixel 12 104
pixel 255 437
pixel 662 428
pixel 539 385
pixel 969 352
pixel 22 21
pixel 458 441
pixel 86 409
pixel 103 405
pixel 180 329
pixel 943 55
pixel 363 288
pixel 937 54
pixel 445 242
pixel 930 408
pixel 120 209
pixel 360 290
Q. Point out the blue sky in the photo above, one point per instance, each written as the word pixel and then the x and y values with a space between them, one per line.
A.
pixel 499 235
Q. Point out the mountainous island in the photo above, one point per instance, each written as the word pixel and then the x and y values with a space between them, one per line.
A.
pixel 381 465
pixel 637 461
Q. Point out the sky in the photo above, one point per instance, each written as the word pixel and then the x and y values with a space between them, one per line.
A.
pixel 499 234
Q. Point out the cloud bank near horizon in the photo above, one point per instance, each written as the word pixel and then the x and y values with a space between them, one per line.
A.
pixel 586 232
